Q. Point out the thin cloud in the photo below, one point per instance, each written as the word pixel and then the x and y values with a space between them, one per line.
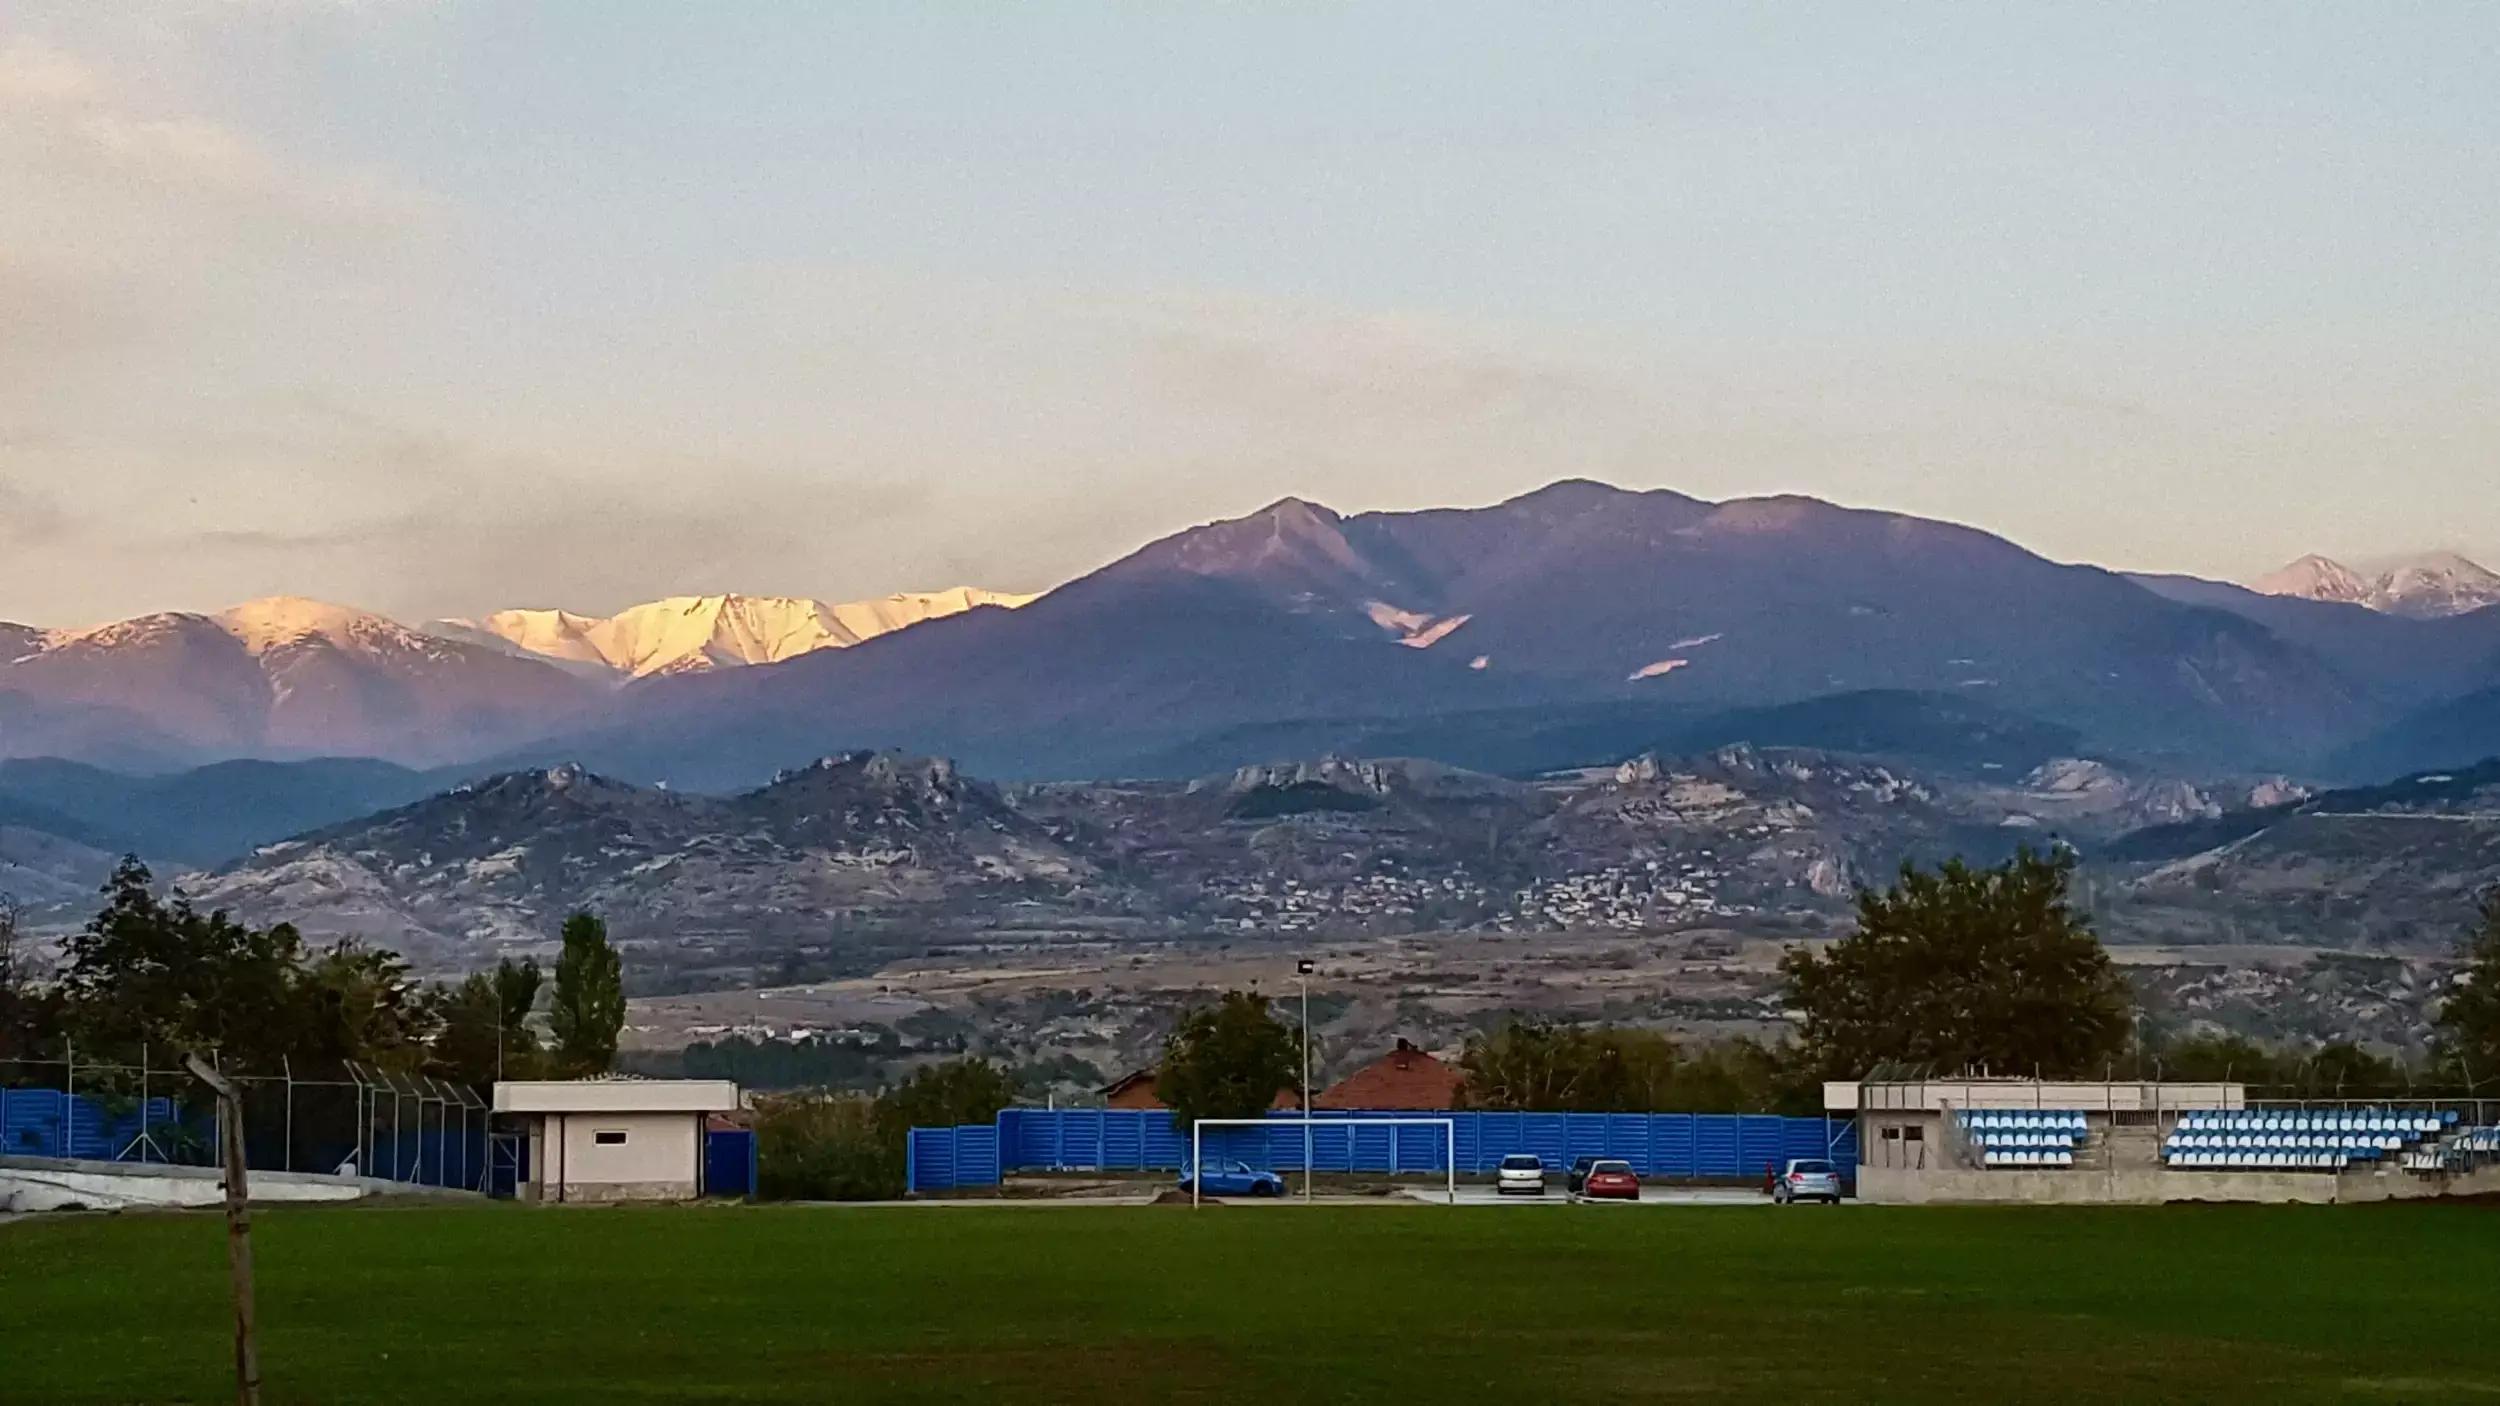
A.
pixel 28 516
pixel 79 128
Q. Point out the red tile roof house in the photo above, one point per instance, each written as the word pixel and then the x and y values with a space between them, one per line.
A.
pixel 1404 1079
pixel 1137 1090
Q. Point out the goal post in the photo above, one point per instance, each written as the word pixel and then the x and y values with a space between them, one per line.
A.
pixel 1309 1127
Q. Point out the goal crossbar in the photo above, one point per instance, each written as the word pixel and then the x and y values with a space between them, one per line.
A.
pixel 1309 1126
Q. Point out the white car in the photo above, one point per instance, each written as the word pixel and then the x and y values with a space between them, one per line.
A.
pixel 1808 1179
pixel 1521 1174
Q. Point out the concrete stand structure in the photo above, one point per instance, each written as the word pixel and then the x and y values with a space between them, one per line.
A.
pixel 2021 1141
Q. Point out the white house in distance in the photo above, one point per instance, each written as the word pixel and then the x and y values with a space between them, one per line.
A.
pixel 593 1140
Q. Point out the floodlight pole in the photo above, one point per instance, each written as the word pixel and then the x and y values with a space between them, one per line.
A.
pixel 1302 969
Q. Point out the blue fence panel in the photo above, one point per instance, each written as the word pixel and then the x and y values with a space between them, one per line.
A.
pixel 1677 1154
pixel 1421 1149
pixel 33 1123
pixel 1497 1136
pixel 976 1157
pixel 931 1158
pixel 1547 1135
pixel 1763 1142
pixel 53 1123
pixel 1123 1142
pixel 1626 1135
pixel 1584 1135
pixel 1716 1151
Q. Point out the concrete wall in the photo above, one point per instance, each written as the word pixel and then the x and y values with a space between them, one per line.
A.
pixel 30 1184
pixel 2070 1095
pixel 2155 1185
pixel 660 1158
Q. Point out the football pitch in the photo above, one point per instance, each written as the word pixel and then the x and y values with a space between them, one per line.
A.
pixel 1414 1303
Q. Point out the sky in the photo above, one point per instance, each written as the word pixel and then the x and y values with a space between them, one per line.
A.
pixel 442 308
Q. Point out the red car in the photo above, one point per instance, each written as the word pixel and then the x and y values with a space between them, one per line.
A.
pixel 1611 1181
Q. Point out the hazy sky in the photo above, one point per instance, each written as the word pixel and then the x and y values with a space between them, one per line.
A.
pixel 440 308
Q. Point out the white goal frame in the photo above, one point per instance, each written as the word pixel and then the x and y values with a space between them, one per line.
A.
pixel 1197 1144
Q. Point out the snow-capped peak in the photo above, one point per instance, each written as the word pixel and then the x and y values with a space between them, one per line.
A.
pixel 2428 585
pixel 682 633
pixel 2436 583
pixel 2315 577
pixel 264 624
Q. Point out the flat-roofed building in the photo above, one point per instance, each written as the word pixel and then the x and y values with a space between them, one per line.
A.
pixel 592 1140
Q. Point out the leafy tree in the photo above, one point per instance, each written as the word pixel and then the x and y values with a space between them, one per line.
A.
pixel 1553 1067
pixel 149 972
pixel 2342 1069
pixel 825 1147
pixel 357 1002
pixel 1742 1076
pixel 29 1011
pixel 589 998
pixel 1227 1060
pixel 952 1094
pixel 2217 1059
pixel 2469 1020
pixel 1538 1065
pixel 485 1033
pixel 1960 969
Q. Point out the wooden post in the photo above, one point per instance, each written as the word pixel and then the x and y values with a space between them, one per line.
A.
pixel 238 1228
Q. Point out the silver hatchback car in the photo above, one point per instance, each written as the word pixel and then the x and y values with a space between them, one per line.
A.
pixel 1520 1174
pixel 1808 1179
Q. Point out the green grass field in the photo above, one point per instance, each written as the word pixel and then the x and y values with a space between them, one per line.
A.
pixel 1006 1305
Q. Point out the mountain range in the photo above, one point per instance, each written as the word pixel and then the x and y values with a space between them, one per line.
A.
pixel 1577 624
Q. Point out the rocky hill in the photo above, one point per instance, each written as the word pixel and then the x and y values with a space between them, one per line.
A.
pixel 859 841
pixel 870 853
pixel 2395 867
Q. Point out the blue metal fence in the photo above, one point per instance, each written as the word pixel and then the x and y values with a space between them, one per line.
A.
pixel 1668 1146
pixel 51 1123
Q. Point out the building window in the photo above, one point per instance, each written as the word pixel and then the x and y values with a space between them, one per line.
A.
pixel 609 1137
pixel 1914 1134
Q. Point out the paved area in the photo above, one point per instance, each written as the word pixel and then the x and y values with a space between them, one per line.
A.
pixel 1650 1196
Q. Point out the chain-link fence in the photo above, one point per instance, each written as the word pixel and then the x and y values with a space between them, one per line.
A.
pixel 347 1118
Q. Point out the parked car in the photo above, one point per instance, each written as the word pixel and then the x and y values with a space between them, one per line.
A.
pixel 1609 1180
pixel 1521 1174
pixel 1236 1179
pixel 1579 1174
pixel 1808 1179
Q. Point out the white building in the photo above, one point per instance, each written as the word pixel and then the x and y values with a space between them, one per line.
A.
pixel 614 1139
